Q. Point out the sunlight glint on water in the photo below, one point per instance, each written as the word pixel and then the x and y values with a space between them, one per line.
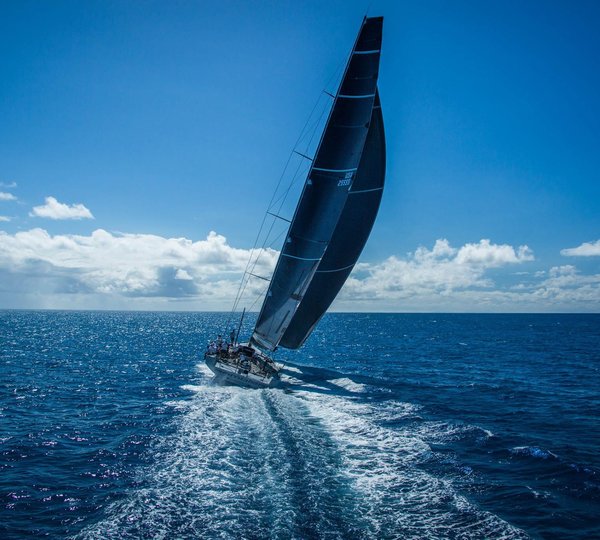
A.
pixel 408 426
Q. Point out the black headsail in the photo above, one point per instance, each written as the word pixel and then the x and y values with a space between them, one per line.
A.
pixel 326 190
pixel 349 237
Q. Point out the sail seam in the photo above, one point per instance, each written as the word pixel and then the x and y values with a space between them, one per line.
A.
pixel 364 190
pixel 336 269
pixel 300 258
pixel 368 52
pixel 334 170
pixel 348 96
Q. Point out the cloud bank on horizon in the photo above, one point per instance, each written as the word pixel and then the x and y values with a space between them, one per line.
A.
pixel 492 198
pixel 144 271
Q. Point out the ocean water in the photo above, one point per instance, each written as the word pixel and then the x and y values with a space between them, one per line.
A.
pixel 390 426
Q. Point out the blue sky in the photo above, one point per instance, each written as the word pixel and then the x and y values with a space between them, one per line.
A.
pixel 169 120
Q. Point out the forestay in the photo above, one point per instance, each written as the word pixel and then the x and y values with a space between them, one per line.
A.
pixel 326 192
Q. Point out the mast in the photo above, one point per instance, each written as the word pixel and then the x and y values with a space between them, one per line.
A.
pixel 326 189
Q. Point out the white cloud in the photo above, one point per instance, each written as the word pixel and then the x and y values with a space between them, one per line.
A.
pixel 4 218
pixel 129 265
pixel 183 274
pixel 565 270
pixel 440 270
pixel 449 279
pixel 142 271
pixel 587 249
pixel 488 255
pixel 9 185
pixel 565 285
pixel 4 196
pixel 56 210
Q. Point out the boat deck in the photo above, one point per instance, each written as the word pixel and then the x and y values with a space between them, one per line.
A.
pixel 236 367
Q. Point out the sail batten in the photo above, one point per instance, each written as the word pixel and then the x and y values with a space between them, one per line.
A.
pixel 330 180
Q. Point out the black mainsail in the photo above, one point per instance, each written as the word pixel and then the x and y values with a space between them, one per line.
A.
pixel 349 237
pixel 337 207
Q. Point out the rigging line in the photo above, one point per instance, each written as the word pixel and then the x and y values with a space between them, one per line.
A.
pixel 338 70
pixel 277 238
pixel 302 155
pixel 258 254
pixel 303 132
pixel 279 217
pixel 315 121
pixel 282 198
pixel 272 244
pixel 295 177
pixel 323 133
pixel 261 251
pixel 259 277
pixel 323 103
pixel 285 194
pixel 299 173
pixel 256 241
pixel 326 105
pixel 258 297
pixel 265 289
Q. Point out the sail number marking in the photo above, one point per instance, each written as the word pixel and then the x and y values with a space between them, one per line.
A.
pixel 347 180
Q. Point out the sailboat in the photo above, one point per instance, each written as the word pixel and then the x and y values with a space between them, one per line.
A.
pixel 330 227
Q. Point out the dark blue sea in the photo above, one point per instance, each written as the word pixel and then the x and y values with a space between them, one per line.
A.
pixel 391 426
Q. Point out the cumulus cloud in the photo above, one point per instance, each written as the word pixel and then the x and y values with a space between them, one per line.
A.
pixel 587 249
pixel 57 210
pixel 183 275
pixel 9 185
pixel 488 255
pixel 4 196
pixel 439 270
pixel 448 279
pixel 127 271
pixel 565 286
pixel 131 265
pixel 4 218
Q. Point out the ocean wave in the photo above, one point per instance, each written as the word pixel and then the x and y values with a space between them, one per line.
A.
pixel 533 451
pixel 274 464
pixel 204 369
pixel 218 464
pixel 348 384
pixel 439 432
pixel 399 498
